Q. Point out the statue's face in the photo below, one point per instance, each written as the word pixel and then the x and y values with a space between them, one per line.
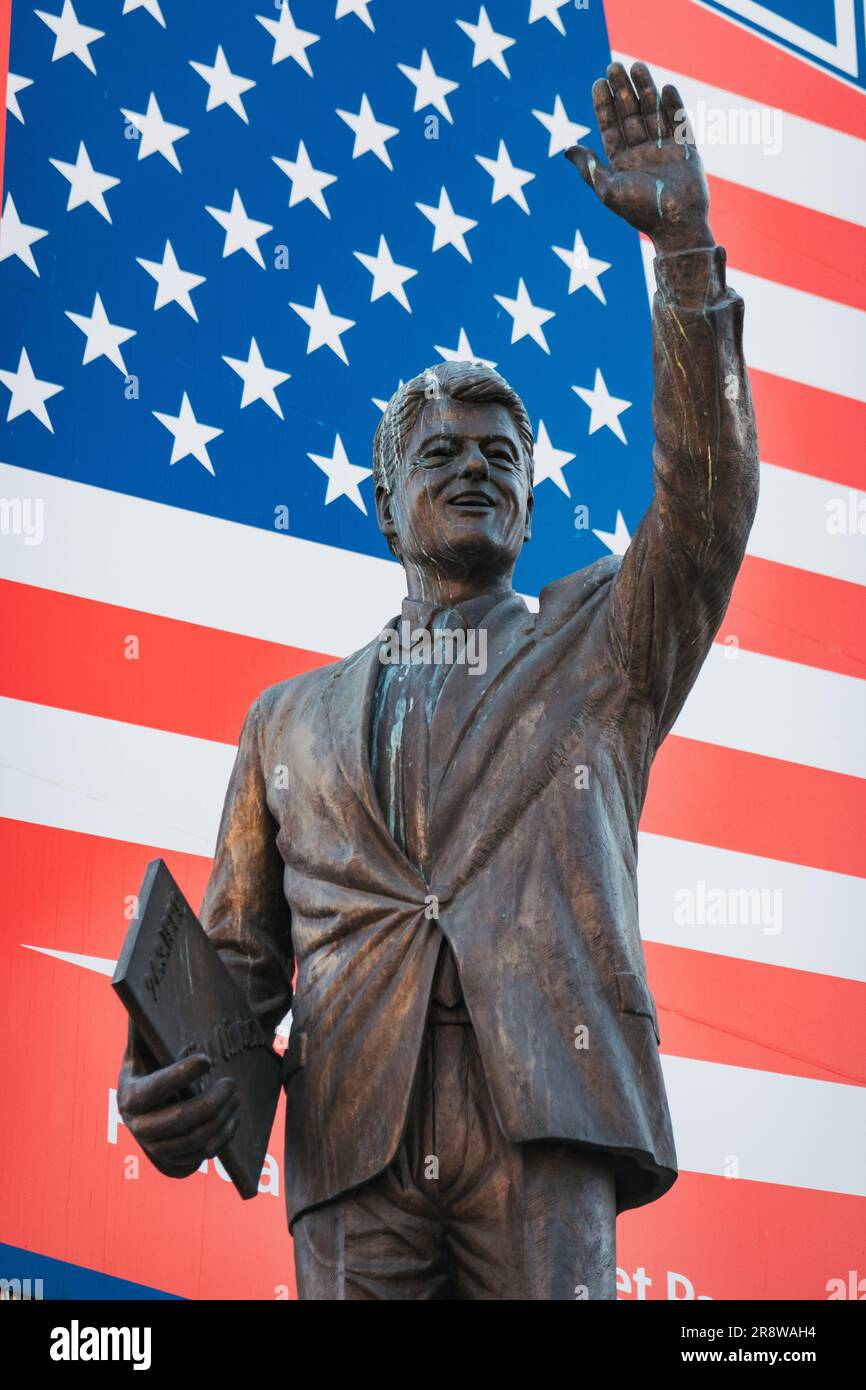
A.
pixel 461 501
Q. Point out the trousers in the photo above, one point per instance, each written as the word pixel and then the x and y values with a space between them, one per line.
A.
pixel 462 1212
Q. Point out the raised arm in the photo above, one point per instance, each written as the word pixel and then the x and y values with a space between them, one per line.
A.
pixel 674 584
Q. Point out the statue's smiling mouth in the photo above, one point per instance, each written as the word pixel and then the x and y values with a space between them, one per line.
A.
pixel 472 500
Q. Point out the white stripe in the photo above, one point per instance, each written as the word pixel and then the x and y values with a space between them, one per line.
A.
pixel 180 564
pixel 124 782
pixel 794 334
pixel 103 777
pixel 778 709
pixel 810 523
pixel 789 1130
pixel 111 548
pixel 816 167
pixel 801 919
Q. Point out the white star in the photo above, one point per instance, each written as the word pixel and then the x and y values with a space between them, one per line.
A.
pixel 157 134
pixel 70 36
pixel 489 46
pixel 549 461
pixel 508 180
pixel 563 132
pixel 151 6
pixel 606 409
pixel 260 382
pixel 584 268
pixel 16 237
pixel 449 226
pixel 388 276
pixel 172 284
pixel 190 437
pixel 242 231
pixel 370 134
pixel 103 338
pixel 430 89
pixel 28 392
pixel 358 7
pixel 617 541
pixel 225 88
pixel 325 327
pixel 343 476
pixel 14 85
pixel 307 182
pixel 289 40
pixel 85 184
pixel 528 318
pixel 463 352
pixel 547 9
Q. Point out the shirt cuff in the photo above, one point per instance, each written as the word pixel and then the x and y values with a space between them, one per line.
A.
pixel 691 278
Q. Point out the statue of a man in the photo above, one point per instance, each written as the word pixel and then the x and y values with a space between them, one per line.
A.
pixel 447 849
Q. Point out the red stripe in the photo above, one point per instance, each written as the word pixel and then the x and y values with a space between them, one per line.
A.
pixel 69 892
pixel 759 805
pixel 69 652
pixel 681 36
pixel 736 1239
pixel 790 244
pixel 775 610
pixel 810 431
pixel 740 801
pixel 798 616
pixel 747 1014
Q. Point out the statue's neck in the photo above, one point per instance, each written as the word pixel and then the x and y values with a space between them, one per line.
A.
pixel 446 590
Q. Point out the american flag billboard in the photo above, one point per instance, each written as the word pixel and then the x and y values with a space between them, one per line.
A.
pixel 228 232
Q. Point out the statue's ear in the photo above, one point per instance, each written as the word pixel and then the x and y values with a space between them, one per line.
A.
pixel 385 517
pixel 530 504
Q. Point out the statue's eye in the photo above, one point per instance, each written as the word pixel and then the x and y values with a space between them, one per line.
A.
pixel 438 453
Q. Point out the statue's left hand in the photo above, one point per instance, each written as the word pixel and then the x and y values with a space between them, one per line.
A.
pixel 654 177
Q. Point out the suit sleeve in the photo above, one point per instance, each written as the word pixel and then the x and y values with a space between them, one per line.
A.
pixel 244 911
pixel 672 589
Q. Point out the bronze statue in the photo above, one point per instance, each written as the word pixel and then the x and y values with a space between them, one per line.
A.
pixel 473 1082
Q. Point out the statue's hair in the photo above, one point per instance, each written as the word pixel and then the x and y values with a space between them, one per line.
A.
pixel 460 381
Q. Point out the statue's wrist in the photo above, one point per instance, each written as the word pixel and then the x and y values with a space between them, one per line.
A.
pixel 692 236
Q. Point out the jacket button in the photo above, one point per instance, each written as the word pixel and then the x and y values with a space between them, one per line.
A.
pixel 442 892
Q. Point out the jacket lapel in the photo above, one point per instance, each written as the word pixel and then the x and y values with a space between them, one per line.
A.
pixel 348 701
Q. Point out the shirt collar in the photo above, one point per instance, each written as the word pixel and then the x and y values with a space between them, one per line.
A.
pixel 420 612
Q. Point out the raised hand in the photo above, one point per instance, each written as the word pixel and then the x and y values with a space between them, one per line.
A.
pixel 654 177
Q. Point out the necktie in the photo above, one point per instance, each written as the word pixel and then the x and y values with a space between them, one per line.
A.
pixel 403 777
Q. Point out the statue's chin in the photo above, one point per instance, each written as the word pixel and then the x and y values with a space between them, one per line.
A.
pixel 465 555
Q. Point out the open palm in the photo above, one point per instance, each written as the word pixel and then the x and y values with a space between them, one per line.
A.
pixel 654 177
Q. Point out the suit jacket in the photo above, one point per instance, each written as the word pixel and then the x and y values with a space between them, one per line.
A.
pixel 534 873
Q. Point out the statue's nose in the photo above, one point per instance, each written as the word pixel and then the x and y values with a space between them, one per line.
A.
pixel 474 464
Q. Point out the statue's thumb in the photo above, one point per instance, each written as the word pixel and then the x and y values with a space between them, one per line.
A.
pixel 590 167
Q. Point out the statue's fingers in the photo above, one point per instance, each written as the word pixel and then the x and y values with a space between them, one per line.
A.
pixel 591 169
pixel 144 1093
pixel 677 114
pixel 626 104
pixel 651 105
pixel 203 1142
pixel 186 1117
pixel 608 122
